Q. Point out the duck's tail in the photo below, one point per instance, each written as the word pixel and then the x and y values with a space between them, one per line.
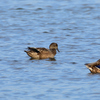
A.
pixel 25 51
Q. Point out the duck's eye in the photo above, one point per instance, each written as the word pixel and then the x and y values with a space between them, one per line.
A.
pixel 56 45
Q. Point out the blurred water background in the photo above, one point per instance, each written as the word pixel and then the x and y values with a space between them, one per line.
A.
pixel 74 25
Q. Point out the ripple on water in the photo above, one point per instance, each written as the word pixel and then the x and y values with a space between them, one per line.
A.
pixel 74 25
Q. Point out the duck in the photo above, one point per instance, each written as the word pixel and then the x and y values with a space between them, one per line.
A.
pixel 94 67
pixel 43 53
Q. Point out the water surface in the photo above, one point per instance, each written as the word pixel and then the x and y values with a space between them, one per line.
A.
pixel 74 25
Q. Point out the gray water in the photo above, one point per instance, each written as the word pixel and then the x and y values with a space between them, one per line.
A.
pixel 74 25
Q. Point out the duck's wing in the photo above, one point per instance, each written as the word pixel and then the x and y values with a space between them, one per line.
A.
pixel 98 66
pixel 33 49
pixel 43 50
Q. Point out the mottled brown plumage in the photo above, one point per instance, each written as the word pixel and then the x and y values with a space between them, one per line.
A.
pixel 43 53
pixel 94 67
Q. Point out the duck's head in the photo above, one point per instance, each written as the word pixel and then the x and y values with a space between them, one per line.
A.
pixel 54 46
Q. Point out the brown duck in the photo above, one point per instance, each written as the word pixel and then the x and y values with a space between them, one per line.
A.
pixel 43 53
pixel 94 67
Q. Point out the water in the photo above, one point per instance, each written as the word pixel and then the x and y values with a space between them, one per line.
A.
pixel 74 25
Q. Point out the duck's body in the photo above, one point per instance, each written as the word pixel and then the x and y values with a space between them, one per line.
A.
pixel 43 53
pixel 94 67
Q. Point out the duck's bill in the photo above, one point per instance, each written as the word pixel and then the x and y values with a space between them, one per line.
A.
pixel 58 50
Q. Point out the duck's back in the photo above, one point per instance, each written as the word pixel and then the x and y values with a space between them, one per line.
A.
pixel 45 53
